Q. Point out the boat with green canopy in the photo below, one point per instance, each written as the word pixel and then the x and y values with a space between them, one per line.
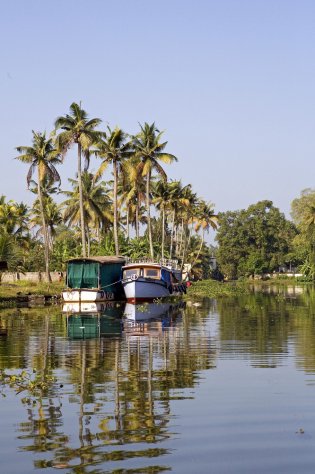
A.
pixel 94 279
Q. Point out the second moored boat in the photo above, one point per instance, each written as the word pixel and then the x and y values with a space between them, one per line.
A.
pixel 145 280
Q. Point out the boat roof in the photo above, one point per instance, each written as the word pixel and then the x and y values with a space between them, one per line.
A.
pixel 146 264
pixel 99 259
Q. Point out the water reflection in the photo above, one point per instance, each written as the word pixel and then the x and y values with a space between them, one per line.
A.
pixel 92 320
pixel 123 371
pixel 273 288
pixel 110 391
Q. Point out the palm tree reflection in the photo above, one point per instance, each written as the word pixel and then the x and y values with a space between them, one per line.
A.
pixel 117 394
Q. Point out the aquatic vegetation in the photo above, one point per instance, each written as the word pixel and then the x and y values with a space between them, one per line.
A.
pixel 213 289
pixel 34 383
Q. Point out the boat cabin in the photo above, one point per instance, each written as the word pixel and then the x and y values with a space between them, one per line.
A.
pixel 99 273
pixel 152 271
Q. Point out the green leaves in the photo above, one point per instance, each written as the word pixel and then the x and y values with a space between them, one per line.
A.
pixel 253 241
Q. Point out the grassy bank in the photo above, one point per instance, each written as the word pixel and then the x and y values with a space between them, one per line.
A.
pixel 14 290
pixel 204 288
pixel 213 289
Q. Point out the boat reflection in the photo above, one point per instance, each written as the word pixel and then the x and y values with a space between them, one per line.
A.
pixel 91 320
pixel 151 318
pixel 107 307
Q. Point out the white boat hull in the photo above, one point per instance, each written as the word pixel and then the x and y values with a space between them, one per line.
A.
pixel 76 295
pixel 143 289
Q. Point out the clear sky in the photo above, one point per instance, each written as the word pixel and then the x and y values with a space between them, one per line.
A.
pixel 232 83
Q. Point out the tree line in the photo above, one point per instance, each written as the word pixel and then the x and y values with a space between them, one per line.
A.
pixel 130 207
pixel 137 211
pixel 260 240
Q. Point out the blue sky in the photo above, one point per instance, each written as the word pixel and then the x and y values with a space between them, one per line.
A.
pixel 232 83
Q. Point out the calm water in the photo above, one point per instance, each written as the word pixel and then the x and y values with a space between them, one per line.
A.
pixel 218 386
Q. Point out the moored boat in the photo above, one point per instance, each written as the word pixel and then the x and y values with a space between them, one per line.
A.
pixel 91 279
pixel 146 281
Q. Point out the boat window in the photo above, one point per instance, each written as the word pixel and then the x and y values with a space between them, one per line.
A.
pixel 131 271
pixel 152 273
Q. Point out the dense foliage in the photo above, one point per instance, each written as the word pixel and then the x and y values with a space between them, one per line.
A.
pixel 253 241
pixel 303 214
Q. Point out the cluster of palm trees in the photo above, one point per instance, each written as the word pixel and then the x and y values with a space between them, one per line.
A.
pixel 137 198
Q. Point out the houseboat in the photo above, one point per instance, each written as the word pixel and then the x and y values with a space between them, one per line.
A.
pixel 147 280
pixel 94 279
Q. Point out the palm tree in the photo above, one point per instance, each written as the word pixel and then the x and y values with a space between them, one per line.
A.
pixel 163 192
pixel 178 198
pixel 53 217
pixel 114 149
pixel 9 252
pixel 81 131
pixel 97 204
pixel 149 149
pixel 52 210
pixel 131 189
pixel 308 222
pixel 42 155
pixel 204 219
pixel 13 217
pixel 187 214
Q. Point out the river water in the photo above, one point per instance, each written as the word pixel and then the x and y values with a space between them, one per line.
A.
pixel 207 386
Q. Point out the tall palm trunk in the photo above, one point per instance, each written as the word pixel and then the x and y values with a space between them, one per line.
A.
pixel 127 223
pixel 137 218
pixel 50 239
pixel 88 242
pixel 148 213
pixel 181 238
pixel 115 209
pixel 172 233
pixel 201 244
pixel 176 240
pixel 45 232
pixel 81 203
pixel 163 231
pixel 186 246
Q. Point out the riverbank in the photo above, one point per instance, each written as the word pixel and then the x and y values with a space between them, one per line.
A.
pixel 22 291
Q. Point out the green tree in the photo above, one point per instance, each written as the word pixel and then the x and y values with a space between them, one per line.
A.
pixel 78 129
pixel 303 214
pixel 205 219
pixel 150 150
pixel 14 218
pixel 113 149
pixel 53 218
pixel 132 191
pixel 253 241
pixel 161 198
pixel 43 156
pixel 10 252
pixel 178 198
pixel 97 206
